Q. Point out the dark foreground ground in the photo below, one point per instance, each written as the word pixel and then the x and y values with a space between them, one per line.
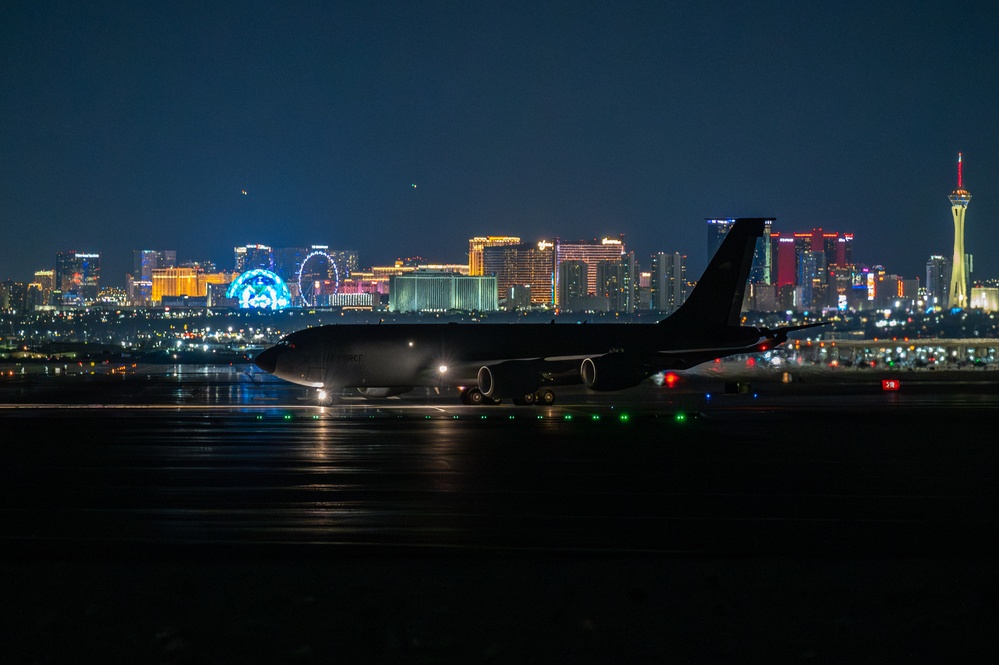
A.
pixel 218 520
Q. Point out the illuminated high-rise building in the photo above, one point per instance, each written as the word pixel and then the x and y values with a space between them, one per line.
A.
pixel 668 282
pixel 762 271
pixel 788 251
pixel 573 284
pixel 249 257
pixel 616 281
pixel 144 262
pixel 937 281
pixel 959 200
pixel 439 291
pixel 45 279
pixel 177 282
pixel 589 252
pixel 477 244
pixel 78 276
pixel 523 265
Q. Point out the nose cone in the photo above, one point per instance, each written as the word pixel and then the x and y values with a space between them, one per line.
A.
pixel 267 360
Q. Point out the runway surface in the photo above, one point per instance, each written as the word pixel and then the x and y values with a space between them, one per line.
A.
pixel 224 516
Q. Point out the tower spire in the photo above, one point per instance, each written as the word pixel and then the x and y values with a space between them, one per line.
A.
pixel 959 200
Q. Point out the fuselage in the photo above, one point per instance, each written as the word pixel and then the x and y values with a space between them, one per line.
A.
pixel 452 354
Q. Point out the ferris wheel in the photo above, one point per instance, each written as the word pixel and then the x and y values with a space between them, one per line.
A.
pixel 316 269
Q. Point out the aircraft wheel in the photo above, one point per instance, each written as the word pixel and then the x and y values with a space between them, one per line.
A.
pixel 526 400
pixel 472 396
pixel 546 397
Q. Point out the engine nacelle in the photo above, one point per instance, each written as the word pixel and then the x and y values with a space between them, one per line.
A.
pixel 509 379
pixel 610 372
pixel 384 392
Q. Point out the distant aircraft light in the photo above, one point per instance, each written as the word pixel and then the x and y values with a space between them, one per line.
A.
pixel 442 369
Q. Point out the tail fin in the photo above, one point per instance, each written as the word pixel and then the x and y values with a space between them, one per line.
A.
pixel 716 301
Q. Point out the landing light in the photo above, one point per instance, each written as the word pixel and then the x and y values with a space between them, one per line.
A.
pixel 442 369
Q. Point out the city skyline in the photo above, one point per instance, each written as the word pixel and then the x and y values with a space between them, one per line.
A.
pixel 230 263
pixel 395 129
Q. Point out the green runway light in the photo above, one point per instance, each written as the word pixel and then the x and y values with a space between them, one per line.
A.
pixel 287 416
pixel 511 417
pixel 568 416
pixel 595 417
pixel 625 417
pixel 680 417
pixel 483 417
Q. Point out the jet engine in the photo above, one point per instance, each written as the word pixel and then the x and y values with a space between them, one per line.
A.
pixel 509 379
pixel 611 372
pixel 384 392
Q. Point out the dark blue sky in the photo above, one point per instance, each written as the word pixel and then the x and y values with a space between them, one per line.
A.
pixel 137 125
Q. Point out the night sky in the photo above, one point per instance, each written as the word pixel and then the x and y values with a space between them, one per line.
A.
pixel 138 125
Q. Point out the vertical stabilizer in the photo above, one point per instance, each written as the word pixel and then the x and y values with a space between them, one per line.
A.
pixel 716 301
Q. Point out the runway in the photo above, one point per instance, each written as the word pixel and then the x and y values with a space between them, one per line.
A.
pixel 690 520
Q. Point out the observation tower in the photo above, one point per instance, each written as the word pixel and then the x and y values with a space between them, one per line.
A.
pixel 959 200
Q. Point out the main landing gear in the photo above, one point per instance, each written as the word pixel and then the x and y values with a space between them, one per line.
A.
pixel 474 397
pixel 543 397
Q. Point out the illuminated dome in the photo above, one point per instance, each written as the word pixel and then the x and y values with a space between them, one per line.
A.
pixel 259 289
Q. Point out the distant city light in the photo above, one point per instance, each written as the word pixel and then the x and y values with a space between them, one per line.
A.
pixel 259 289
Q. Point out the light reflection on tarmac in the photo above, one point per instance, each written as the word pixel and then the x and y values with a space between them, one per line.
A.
pixel 230 519
pixel 251 463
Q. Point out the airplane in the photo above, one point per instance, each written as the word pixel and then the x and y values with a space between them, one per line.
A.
pixel 488 363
